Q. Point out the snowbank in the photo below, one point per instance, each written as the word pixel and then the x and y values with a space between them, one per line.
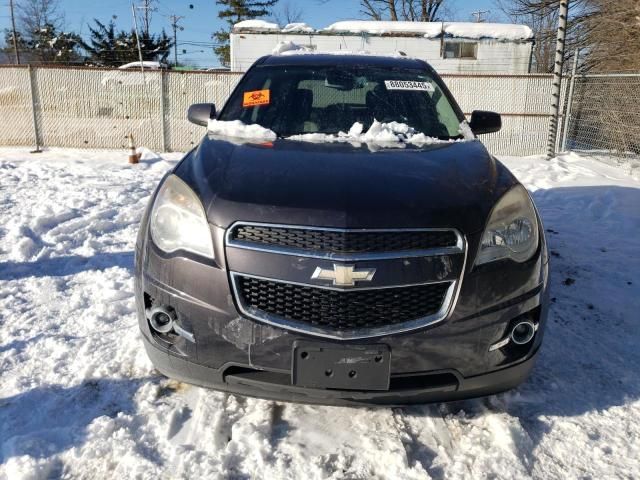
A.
pixel 498 31
pixel 256 25
pixel 238 129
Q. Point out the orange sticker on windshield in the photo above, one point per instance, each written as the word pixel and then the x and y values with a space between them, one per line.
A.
pixel 257 97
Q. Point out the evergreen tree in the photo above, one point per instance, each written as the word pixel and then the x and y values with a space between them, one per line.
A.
pixel 108 47
pixel 102 47
pixel 234 11
pixel 8 49
pixel 50 45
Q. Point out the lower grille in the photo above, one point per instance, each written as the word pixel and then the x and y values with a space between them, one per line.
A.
pixel 337 311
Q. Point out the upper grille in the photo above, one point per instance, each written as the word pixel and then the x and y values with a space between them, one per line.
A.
pixel 340 310
pixel 343 241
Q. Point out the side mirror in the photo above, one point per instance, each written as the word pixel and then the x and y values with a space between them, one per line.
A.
pixel 485 122
pixel 201 113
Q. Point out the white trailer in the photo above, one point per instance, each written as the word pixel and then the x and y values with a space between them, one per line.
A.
pixel 450 47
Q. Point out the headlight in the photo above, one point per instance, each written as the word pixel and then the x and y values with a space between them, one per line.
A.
pixel 178 221
pixel 512 230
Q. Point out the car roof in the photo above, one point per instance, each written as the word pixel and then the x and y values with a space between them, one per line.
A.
pixel 323 59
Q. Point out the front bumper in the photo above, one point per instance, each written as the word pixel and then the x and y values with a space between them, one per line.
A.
pixel 275 385
pixel 446 361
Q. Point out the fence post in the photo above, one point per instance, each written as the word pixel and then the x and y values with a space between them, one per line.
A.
pixel 163 113
pixel 567 113
pixel 36 128
pixel 557 79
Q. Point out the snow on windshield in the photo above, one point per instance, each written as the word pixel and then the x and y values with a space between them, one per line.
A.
pixel 239 129
pixel 384 134
pixel 379 133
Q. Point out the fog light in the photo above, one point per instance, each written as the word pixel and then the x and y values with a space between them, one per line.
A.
pixel 161 319
pixel 522 333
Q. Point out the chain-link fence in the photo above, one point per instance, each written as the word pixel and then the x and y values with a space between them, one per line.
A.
pixel 604 118
pixel 98 108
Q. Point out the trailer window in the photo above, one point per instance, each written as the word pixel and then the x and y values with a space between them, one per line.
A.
pixel 466 50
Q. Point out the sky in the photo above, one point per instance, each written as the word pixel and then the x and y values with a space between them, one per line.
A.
pixel 201 21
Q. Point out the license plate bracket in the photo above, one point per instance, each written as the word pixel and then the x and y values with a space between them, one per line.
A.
pixel 342 367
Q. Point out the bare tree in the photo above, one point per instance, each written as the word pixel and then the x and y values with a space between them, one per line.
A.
pixel 35 15
pixel 542 17
pixel 288 13
pixel 613 37
pixel 407 10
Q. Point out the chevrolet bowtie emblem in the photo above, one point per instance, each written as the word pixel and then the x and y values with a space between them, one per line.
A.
pixel 344 275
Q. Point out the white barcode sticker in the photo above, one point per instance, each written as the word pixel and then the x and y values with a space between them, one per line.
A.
pixel 408 85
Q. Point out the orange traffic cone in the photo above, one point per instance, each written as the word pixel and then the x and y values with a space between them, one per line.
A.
pixel 134 157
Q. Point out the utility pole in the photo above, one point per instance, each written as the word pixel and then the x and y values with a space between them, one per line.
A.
pixel 135 26
pixel 15 34
pixel 478 14
pixel 147 8
pixel 567 112
pixel 174 19
pixel 557 78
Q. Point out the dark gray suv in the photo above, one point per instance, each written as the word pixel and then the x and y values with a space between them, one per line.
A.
pixel 339 271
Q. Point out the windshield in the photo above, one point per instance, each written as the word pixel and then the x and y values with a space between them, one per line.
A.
pixel 326 99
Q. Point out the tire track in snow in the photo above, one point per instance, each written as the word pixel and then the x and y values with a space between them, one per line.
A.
pixel 425 437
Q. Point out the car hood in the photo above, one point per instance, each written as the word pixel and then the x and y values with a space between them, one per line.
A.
pixel 346 186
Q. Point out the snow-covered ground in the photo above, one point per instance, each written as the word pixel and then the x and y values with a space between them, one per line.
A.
pixel 79 399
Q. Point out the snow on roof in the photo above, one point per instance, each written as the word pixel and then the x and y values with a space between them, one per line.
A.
pixel 297 27
pixel 145 64
pixel 257 25
pixel 501 31
pixel 498 31
pixel 428 29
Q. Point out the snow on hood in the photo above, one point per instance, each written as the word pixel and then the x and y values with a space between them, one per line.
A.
pixel 392 134
pixel 500 31
pixel 238 129
pixel 257 24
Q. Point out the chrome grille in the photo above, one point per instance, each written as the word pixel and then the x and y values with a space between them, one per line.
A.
pixel 359 311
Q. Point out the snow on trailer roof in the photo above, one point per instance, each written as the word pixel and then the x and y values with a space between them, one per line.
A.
pixel 498 31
